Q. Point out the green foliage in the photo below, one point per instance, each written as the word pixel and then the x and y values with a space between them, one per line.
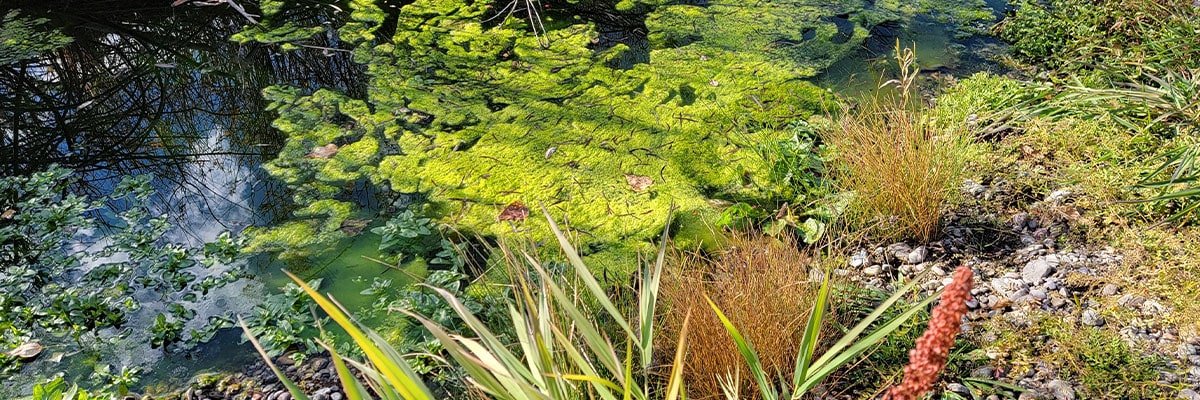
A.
pixel 480 116
pixel 57 281
pixel 1104 363
pixel 811 370
pixel 562 353
pixel 1115 37
pixel 407 235
pixel 285 321
pixel 25 38
pixel 56 389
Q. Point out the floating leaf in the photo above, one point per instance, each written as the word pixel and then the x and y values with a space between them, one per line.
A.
pixel 26 350
pixel 515 211
pixel 638 183
pixel 352 227
pixel 323 152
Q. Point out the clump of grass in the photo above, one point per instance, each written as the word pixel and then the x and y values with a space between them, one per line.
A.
pixel 901 164
pixel 762 284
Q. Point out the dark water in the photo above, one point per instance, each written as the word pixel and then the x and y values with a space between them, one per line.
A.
pixel 149 88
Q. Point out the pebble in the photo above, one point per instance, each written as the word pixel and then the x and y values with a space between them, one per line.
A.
pixel 1092 318
pixel 1188 394
pixel 1037 269
pixel 872 270
pixel 984 373
pixel 918 255
pixel 899 251
pixel 1038 294
pixel 1060 390
pixel 958 388
pixel 1109 290
pixel 858 259
pixel 1131 301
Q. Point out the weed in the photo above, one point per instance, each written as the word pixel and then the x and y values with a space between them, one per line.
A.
pixel 762 284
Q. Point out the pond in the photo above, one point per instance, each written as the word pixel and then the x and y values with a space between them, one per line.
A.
pixel 145 87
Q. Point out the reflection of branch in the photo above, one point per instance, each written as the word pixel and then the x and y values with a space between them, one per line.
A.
pixel 231 3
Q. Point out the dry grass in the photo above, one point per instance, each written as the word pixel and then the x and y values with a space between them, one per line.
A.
pixel 901 166
pixel 762 285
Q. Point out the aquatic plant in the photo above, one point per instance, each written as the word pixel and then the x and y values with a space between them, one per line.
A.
pixel 57 280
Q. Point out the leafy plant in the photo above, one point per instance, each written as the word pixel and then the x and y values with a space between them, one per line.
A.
pixel 55 279
pixel 285 321
pixel 56 389
pixel 408 235
pixel 810 370
pixel 563 352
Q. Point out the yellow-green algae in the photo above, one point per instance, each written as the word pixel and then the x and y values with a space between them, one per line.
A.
pixel 477 116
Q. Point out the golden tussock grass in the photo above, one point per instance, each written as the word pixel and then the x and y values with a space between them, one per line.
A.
pixel 762 284
pixel 901 166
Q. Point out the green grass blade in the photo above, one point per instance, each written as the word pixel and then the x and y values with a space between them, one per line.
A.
pixel 858 329
pixel 353 388
pixel 406 382
pixel 812 335
pixel 747 350
pixel 581 270
pixel 296 392
pixel 859 346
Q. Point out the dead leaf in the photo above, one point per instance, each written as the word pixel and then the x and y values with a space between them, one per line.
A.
pixel 352 227
pixel 516 211
pixel 638 183
pixel 323 152
pixel 8 214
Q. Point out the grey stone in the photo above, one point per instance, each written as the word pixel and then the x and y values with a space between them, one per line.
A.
pixel 959 388
pixel 1032 223
pixel 984 373
pixel 858 259
pixel 1131 301
pixel 1109 290
pixel 1007 286
pixel 1188 394
pixel 1035 270
pixel 898 251
pixel 1060 390
pixel 1058 302
pixel 918 255
pixel 336 396
pixel 872 270
pixel 1092 318
pixel 320 396
pixel 1019 220
pixel 1029 395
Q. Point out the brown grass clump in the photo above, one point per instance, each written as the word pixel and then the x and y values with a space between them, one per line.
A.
pixel 762 284
pixel 901 165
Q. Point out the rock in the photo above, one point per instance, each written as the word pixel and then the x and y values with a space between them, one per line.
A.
pixel 1019 220
pixel 1037 269
pixel 1007 286
pixel 983 373
pixel 1058 302
pixel 1060 390
pixel 1038 294
pixel 1058 195
pixel 1092 318
pixel 872 270
pixel 898 251
pixel 1109 290
pixel 918 255
pixel 1131 301
pixel 959 388
pixel 858 259
pixel 318 363
pixel 1029 395
pixel 335 396
pixel 1188 394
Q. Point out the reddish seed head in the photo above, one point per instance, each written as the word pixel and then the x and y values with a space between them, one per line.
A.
pixel 928 357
